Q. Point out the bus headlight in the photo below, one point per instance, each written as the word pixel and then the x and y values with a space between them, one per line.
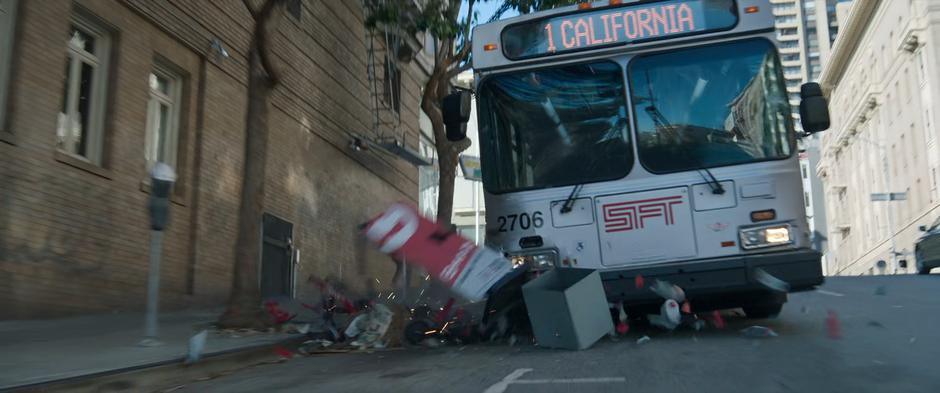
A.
pixel 539 260
pixel 766 236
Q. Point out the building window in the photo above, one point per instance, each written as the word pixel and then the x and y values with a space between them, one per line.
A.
pixel 81 120
pixel 7 16
pixel 803 168
pixel 806 201
pixel 392 90
pixel 163 111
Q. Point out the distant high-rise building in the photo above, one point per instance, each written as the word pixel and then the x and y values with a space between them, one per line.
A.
pixel 806 30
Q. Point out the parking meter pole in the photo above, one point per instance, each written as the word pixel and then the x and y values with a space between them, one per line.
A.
pixel 153 286
pixel 161 182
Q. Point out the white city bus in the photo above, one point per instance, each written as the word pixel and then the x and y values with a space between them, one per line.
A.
pixel 647 138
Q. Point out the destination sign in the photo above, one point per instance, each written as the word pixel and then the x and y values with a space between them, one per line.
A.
pixel 617 26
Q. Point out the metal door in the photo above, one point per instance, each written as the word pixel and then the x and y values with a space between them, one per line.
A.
pixel 277 273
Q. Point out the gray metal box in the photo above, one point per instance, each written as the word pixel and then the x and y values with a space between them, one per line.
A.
pixel 567 308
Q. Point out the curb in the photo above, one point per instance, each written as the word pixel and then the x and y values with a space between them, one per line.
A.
pixel 166 375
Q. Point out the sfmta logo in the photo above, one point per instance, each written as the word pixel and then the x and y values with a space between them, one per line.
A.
pixel 627 216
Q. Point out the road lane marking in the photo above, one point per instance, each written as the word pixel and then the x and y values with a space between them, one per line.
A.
pixel 825 292
pixel 513 378
pixel 501 386
pixel 572 380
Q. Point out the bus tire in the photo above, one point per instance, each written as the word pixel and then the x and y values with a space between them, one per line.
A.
pixel 763 311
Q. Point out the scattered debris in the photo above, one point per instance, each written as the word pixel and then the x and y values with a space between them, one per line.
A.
pixel 758 332
pixel 880 290
pixel 833 327
pixel 369 328
pixel 717 320
pixel 667 290
pixel 284 353
pixel 875 324
pixel 669 317
pixel 279 315
pixel 196 345
pixel 638 281
pixel 643 340
pixel 687 307
pixel 622 327
pixel 769 281
pixel 698 325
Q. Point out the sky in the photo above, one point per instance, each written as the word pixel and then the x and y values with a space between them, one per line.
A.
pixel 485 10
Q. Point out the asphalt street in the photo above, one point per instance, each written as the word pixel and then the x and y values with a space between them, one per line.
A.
pixel 890 342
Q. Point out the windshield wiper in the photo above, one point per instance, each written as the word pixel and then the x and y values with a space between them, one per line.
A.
pixel 710 179
pixel 569 203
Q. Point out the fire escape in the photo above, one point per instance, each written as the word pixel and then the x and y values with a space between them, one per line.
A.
pixel 389 50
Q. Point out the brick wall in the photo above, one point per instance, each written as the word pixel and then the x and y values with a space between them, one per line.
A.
pixel 73 238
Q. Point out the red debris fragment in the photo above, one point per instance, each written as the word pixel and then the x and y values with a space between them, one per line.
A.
pixel 718 320
pixel 686 307
pixel 280 316
pixel 283 352
pixel 639 282
pixel 622 327
pixel 833 327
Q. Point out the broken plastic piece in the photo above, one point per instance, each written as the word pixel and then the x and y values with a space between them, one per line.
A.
pixel 643 340
pixel 718 320
pixel 759 332
pixel 196 344
pixel 769 281
pixel 668 291
pixel 638 281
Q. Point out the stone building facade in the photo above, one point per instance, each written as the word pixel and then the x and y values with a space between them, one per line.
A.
pixel 93 91
pixel 882 78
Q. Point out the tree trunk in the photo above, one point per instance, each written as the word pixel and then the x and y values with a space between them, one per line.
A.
pixel 244 304
pixel 447 164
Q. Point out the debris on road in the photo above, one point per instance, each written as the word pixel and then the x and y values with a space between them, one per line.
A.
pixel 551 301
pixel 717 320
pixel 638 281
pixel 833 327
pixel 769 281
pixel 643 340
pixel 875 324
pixel 622 326
pixel 669 317
pixel 369 328
pixel 667 290
pixel 196 345
pixel 758 332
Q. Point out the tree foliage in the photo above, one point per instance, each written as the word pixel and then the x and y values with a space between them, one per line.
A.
pixel 443 20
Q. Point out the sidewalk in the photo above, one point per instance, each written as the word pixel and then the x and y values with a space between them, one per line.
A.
pixel 48 350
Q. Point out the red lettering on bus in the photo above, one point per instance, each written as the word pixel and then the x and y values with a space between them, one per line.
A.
pixel 564 35
pixel 582 31
pixel 606 20
pixel 659 18
pixel 685 17
pixel 594 40
pixel 643 23
pixel 551 42
pixel 671 9
pixel 614 25
pixel 629 25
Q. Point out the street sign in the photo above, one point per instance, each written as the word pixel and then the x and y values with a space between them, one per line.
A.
pixel 894 196
pixel 471 168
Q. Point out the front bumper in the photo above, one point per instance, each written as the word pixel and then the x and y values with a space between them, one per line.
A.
pixel 722 280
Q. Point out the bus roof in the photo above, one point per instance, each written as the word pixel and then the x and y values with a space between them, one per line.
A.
pixel 545 36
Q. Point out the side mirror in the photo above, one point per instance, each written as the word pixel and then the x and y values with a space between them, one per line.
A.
pixel 456 111
pixel 922 228
pixel 814 110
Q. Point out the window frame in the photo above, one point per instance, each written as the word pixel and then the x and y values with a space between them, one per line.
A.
pixel 173 100
pixel 7 33
pixel 99 93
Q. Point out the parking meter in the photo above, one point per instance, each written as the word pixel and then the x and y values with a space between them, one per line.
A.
pixel 161 182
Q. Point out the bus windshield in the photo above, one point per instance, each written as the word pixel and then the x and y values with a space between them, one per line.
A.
pixel 710 106
pixel 554 127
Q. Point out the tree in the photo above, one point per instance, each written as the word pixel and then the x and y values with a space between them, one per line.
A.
pixel 452 56
pixel 244 303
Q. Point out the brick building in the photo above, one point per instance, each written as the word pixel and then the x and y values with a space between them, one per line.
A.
pixel 93 91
